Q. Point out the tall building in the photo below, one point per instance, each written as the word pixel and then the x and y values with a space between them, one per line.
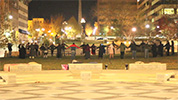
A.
pixel 18 9
pixel 152 11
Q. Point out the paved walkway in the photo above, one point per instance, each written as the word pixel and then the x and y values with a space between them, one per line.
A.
pixel 112 85
pixel 82 90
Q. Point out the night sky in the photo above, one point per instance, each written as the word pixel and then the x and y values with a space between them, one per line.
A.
pixel 68 8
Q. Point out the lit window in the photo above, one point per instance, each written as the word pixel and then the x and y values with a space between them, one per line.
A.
pixel 169 11
pixel 177 11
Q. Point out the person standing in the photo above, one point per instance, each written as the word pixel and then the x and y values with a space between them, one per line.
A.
pixel 146 49
pixel 115 45
pixel 63 47
pixel 36 49
pixel 160 49
pixel 93 49
pixel 172 46
pixel 9 46
pixel 59 49
pixel 73 50
pixel 142 46
pixel 101 51
pixel 42 48
pixel 23 51
pixel 111 51
pixel 83 47
pixel 87 52
pixel 52 48
pixel 32 51
pixel 20 53
pixel 154 49
pixel 122 50
pixel 167 48
pixel 133 47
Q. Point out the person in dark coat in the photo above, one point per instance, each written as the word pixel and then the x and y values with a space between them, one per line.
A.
pixel 42 48
pixel 87 52
pixel 142 46
pixel 36 49
pixel 172 46
pixel 9 46
pixel 160 49
pixel 154 49
pixel 32 51
pixel 101 51
pixel 63 47
pixel 83 47
pixel 23 51
pixel 122 50
pixel 20 53
pixel 52 48
pixel 59 50
pixel 167 48
pixel 133 47
pixel 93 49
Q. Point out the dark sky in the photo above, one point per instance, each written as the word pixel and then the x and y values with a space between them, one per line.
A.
pixel 68 8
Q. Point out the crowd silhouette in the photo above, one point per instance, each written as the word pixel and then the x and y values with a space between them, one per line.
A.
pixel 33 50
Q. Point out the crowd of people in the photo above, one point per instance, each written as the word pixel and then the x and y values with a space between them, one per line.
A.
pixel 33 50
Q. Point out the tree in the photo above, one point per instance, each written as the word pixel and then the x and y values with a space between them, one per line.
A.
pixel 5 28
pixel 75 27
pixel 88 29
pixel 121 15
pixel 56 23
pixel 168 27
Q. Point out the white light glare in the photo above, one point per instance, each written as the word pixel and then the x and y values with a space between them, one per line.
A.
pixel 10 17
pixel 134 29
pixel 147 26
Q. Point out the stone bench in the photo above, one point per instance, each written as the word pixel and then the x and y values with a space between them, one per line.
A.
pixel 86 71
pixel 155 66
pixel 8 78
pixel 22 67
pixel 163 77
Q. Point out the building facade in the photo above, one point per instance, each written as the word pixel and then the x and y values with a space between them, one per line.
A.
pixel 18 9
pixel 154 11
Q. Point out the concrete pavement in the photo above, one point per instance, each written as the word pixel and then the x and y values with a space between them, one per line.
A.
pixel 111 85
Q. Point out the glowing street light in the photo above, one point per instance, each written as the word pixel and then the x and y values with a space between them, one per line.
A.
pixel 10 17
pixel 83 20
pixel 43 29
pixel 147 26
pixel 112 27
pixel 138 0
pixel 134 29
pixel 49 31
pixel 157 26
pixel 37 30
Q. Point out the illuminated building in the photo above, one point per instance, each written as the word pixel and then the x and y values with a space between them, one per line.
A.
pixel 18 9
pixel 154 10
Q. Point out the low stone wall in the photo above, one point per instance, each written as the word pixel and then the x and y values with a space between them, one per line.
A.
pixel 86 66
pixel 8 78
pixel 21 67
pixel 86 71
pixel 147 66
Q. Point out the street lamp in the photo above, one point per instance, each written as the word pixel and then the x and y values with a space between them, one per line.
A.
pixel 10 17
pixel 134 29
pixel 83 25
pixel 147 26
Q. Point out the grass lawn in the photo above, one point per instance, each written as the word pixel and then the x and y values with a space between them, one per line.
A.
pixel 52 63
